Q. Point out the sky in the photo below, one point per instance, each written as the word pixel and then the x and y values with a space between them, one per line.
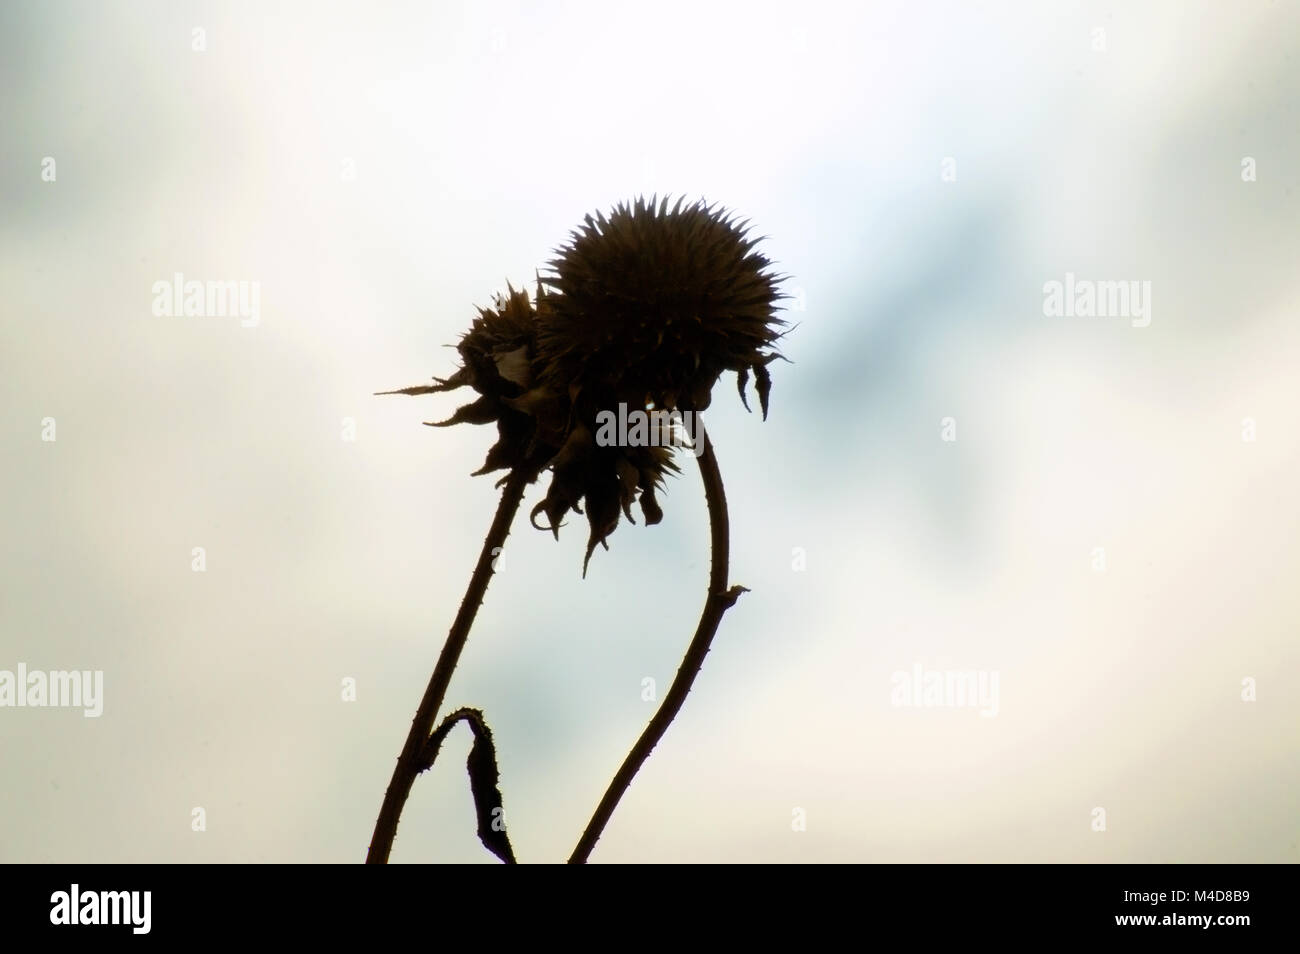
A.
pixel 1093 517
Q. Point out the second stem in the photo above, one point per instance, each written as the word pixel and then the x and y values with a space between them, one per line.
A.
pixel 718 601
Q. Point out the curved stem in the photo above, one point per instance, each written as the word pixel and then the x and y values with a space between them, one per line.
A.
pixel 718 601
pixel 409 762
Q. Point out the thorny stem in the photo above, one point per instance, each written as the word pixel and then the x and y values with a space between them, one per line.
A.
pixel 719 600
pixel 409 763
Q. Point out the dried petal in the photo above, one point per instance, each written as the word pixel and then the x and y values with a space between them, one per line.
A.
pixel 483 411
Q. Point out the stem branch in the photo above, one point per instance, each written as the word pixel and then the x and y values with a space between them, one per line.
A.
pixel 409 763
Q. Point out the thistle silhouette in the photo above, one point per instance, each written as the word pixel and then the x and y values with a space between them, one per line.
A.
pixel 645 307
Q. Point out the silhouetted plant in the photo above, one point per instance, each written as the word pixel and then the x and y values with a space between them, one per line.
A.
pixel 644 308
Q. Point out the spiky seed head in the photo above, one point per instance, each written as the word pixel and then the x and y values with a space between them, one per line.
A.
pixel 647 306
pixel 652 303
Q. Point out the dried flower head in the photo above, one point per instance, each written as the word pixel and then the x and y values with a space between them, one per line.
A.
pixel 497 356
pixel 645 308
pixel 653 303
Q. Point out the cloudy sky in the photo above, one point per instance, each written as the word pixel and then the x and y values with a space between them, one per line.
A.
pixel 1096 514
